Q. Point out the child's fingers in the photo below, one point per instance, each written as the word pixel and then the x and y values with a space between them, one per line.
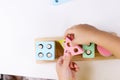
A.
pixel 76 41
pixel 71 65
pixel 68 31
pixel 67 59
pixel 60 61
pixel 74 66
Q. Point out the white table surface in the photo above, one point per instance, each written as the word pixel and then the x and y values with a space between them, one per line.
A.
pixel 21 21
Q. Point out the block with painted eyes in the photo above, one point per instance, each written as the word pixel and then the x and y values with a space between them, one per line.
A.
pixel 89 51
pixel 45 50
pixel 74 50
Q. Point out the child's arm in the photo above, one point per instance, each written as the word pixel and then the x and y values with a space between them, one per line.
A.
pixel 109 42
pixel 84 34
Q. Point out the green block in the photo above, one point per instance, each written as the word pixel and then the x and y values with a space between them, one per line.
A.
pixel 89 51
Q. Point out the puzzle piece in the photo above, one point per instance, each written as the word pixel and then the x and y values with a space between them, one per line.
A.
pixel 58 2
pixel 89 51
pixel 103 51
pixel 73 50
pixel 45 50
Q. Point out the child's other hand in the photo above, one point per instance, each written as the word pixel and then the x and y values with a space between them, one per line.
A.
pixel 83 33
pixel 66 69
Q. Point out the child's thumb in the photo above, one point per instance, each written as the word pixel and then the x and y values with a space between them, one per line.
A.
pixel 67 59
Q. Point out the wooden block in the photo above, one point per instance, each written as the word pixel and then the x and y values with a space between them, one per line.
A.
pixel 47 49
pixel 103 51
pixel 74 50
pixel 61 42
pixel 89 51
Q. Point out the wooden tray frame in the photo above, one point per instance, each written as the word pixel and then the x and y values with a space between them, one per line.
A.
pixel 59 50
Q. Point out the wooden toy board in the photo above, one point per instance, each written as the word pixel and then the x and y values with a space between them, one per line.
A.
pixel 60 50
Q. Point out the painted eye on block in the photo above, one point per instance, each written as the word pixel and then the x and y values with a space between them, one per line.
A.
pixel 40 54
pixel 49 46
pixel 75 50
pixel 49 55
pixel 88 52
pixel 40 46
pixel 68 44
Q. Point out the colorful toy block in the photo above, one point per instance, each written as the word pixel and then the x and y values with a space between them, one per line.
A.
pixel 61 42
pixel 58 2
pixel 103 51
pixel 45 50
pixel 89 51
pixel 70 49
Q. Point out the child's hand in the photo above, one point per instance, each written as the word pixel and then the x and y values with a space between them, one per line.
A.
pixel 83 33
pixel 66 69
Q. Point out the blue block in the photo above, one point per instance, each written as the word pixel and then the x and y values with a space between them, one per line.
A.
pixel 58 2
pixel 45 50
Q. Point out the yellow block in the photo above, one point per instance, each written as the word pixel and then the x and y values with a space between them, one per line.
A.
pixel 61 42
